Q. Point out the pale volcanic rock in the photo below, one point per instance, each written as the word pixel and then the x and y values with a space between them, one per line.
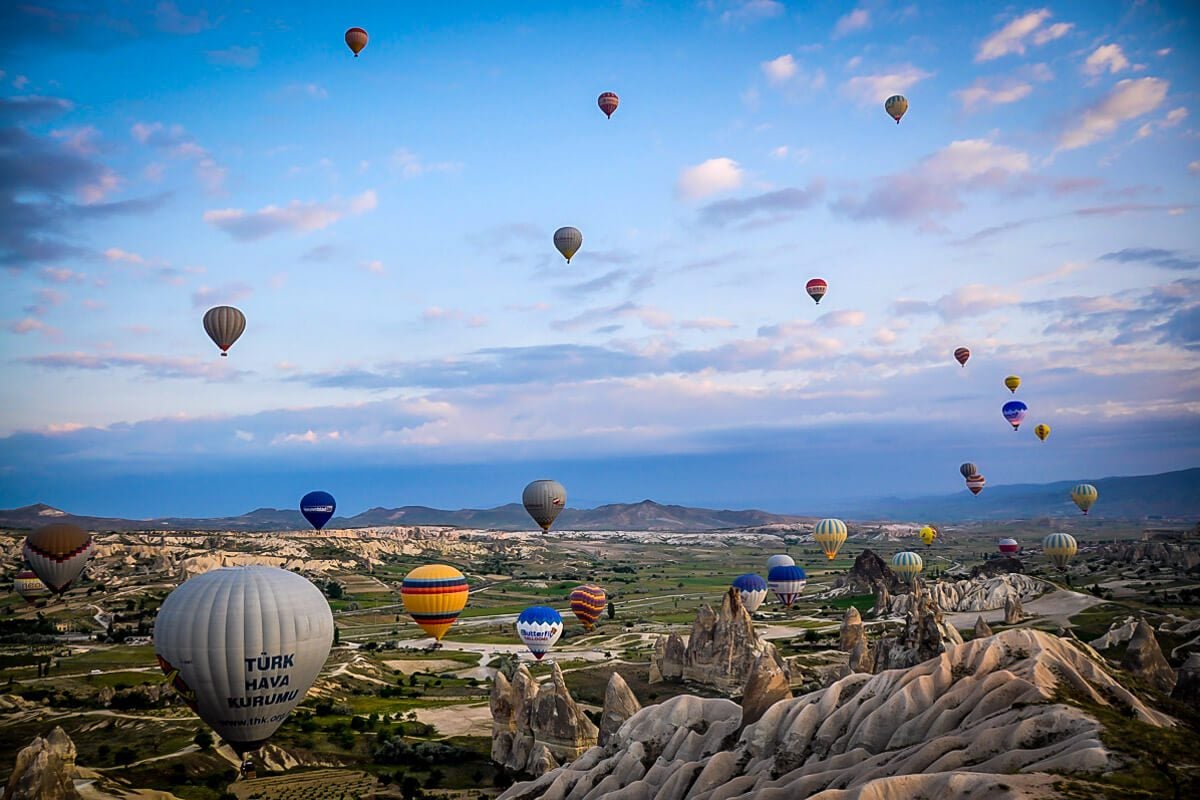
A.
pixel 1187 686
pixel 619 705
pixel 925 635
pixel 1181 555
pixel 851 631
pixel 766 686
pixel 868 574
pixel 535 728
pixel 558 722
pixel 982 629
pixel 860 659
pixel 44 770
pixel 1145 659
pixel 1117 633
pixel 977 594
pixel 979 719
pixel 1013 613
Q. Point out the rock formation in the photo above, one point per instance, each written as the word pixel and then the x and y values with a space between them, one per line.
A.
pixel 883 602
pixel 982 719
pixel 44 770
pixel 1117 633
pixel 866 576
pixel 994 567
pixel 766 686
pixel 720 652
pixel 851 631
pixel 535 728
pixel 925 636
pixel 1187 686
pixel 982 629
pixel 1178 555
pixel 860 659
pixel 1013 613
pixel 619 705
pixel 978 594
pixel 1145 660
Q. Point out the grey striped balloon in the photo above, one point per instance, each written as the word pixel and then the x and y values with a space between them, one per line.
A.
pixel 544 500
pixel 224 324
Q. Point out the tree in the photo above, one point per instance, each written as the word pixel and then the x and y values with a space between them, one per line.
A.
pixel 612 610
pixel 203 739
pixel 337 635
pixel 334 590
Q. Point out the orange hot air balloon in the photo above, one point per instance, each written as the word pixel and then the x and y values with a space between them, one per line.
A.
pixel 356 40
pixel 434 595
pixel 588 602
pixel 608 103
pixel 961 355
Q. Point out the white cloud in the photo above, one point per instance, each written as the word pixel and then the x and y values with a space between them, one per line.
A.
pixel 752 11
pixel 843 318
pixel 872 89
pixel 313 90
pixel 1173 118
pixel 374 266
pixel 95 191
pixel 80 141
pixel 781 69
pixel 1013 36
pixel 712 177
pixel 967 159
pixel 884 336
pixel 981 94
pixel 410 164
pixel 857 20
pixel 20 82
pixel 123 256
pixel 1106 58
pixel 297 216
pixel 1129 99
pixel 1194 167
pixel 973 300
pixel 707 324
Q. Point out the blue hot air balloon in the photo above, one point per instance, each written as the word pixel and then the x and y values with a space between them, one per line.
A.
pixel 752 589
pixel 1014 411
pixel 787 583
pixel 318 508
pixel 539 628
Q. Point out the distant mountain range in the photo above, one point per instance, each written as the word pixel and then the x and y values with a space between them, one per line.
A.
pixel 1171 495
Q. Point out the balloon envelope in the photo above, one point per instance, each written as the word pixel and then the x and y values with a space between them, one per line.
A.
pixel 976 483
pixel 968 469
pixel 1014 411
pixel 544 500
pixel 787 583
pixel 1060 548
pixel 224 325
pixel 961 355
pixel 1042 431
pixel 907 565
pixel 243 645
pixel 927 535
pixel 816 289
pixel 1008 546
pixel 30 586
pixel 830 534
pixel 752 589
pixel 539 628
pixel 588 602
pixel 434 595
pixel 608 102
pixel 568 241
pixel 895 106
pixel 58 553
pixel 1012 382
pixel 780 560
pixel 1084 496
pixel 356 40
pixel 318 508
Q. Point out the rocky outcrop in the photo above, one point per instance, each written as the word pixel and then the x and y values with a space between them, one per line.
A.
pixel 536 728
pixel 851 631
pixel 994 567
pixel 619 705
pixel 1187 685
pixel 866 576
pixel 982 629
pixel 925 636
pixel 44 770
pixel 978 594
pixel 1145 659
pixel 860 659
pixel 883 602
pixel 1182 555
pixel 982 716
pixel 1013 612
pixel 1117 633
pixel 766 686
pixel 720 652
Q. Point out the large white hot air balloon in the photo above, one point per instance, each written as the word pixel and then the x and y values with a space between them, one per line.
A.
pixel 243 645
pixel 544 500
pixel 568 241
pixel 780 560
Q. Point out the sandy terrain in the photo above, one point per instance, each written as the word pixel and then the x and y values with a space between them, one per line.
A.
pixel 467 720
pixel 1056 607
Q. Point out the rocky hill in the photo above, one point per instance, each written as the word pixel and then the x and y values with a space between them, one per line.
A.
pixel 996 717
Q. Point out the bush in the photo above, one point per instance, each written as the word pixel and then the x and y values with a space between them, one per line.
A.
pixel 203 739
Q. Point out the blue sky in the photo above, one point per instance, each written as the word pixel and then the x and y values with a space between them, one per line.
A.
pixel 385 223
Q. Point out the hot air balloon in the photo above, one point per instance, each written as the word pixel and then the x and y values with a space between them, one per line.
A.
pixel 568 241
pixel 588 602
pixel 434 595
pixel 318 508
pixel 895 106
pixel 544 500
pixel 752 589
pixel 907 565
pixel 224 324
pixel 961 355
pixel 1014 411
pixel 967 469
pixel 1008 546
pixel 539 628
pixel 356 40
pixel 831 535
pixel 242 645
pixel 608 102
pixel 1012 382
pixel 1042 431
pixel 30 586
pixel 1084 496
pixel 780 560
pixel 1060 548
pixel 787 583
pixel 816 289
pixel 927 535
pixel 975 483
pixel 58 553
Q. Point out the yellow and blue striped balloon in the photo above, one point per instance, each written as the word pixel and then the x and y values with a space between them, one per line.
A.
pixel 907 565
pixel 1060 548
pixel 434 595
pixel 831 535
pixel 1084 496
